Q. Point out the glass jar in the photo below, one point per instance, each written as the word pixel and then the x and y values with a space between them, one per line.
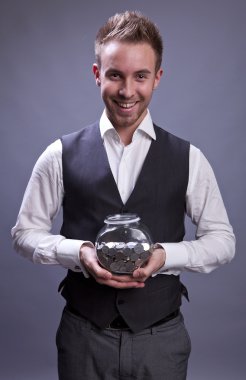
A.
pixel 123 244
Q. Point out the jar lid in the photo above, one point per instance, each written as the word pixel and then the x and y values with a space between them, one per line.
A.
pixel 122 219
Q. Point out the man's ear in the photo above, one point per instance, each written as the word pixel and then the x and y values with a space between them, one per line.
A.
pixel 158 76
pixel 96 73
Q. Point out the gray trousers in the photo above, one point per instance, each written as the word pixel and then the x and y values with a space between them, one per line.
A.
pixel 88 353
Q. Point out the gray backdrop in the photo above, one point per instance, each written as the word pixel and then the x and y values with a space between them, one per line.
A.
pixel 47 89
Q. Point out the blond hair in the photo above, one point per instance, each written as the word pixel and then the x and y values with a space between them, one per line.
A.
pixel 131 27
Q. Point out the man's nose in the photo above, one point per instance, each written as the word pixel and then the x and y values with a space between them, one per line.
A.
pixel 127 89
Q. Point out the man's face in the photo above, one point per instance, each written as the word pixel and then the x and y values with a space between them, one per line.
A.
pixel 127 77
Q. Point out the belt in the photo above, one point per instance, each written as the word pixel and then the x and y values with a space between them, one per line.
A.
pixel 119 324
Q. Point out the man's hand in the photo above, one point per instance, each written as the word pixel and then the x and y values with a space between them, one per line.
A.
pixel 88 258
pixel 155 262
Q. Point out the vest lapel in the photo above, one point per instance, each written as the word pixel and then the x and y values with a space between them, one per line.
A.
pixel 101 156
pixel 146 174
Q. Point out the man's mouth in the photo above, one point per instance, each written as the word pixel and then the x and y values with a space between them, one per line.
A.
pixel 126 105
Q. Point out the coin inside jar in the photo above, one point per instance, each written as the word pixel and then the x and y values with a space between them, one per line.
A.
pixel 123 258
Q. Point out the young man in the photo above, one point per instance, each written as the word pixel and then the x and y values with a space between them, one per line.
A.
pixel 124 326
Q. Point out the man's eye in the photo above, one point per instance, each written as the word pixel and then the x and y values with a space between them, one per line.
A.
pixel 141 76
pixel 115 76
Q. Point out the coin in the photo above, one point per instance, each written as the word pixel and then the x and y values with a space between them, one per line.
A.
pixel 112 252
pixel 129 266
pixel 130 244
pixel 103 261
pixel 105 249
pixel 122 258
pixel 120 255
pixel 115 266
pixel 138 248
pixel 122 266
pixel 145 255
pixel 127 251
pixel 120 245
pixel 134 256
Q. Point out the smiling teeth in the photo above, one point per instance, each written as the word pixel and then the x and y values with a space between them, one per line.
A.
pixel 126 105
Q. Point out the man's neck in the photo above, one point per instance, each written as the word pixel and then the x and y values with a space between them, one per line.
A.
pixel 126 135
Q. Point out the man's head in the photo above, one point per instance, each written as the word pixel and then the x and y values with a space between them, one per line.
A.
pixel 128 51
pixel 130 27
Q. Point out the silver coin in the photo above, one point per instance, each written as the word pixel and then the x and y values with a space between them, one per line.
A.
pixel 130 244
pixel 134 256
pixel 120 255
pixel 115 266
pixel 105 249
pixel 120 245
pixel 122 265
pixel 103 261
pixel 127 251
pixel 138 248
pixel 112 252
pixel 145 255
pixel 129 266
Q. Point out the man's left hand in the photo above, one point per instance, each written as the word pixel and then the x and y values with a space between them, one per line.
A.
pixel 156 261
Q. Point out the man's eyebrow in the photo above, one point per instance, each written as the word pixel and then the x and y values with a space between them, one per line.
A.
pixel 113 69
pixel 142 71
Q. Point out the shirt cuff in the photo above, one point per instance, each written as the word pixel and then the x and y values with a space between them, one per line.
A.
pixel 68 252
pixel 176 256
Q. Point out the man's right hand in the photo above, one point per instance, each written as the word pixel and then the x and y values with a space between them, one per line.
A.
pixel 88 258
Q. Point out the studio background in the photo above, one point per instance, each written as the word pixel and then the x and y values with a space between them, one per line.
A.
pixel 47 89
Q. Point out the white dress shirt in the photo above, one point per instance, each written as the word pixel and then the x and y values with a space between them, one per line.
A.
pixel 214 244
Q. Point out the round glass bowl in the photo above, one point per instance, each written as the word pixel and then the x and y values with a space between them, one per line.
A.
pixel 123 244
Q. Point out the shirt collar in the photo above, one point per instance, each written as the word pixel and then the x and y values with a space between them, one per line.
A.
pixel 146 125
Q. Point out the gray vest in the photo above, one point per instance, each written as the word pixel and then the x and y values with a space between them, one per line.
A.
pixel 158 198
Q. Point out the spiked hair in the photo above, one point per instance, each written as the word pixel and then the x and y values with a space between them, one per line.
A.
pixel 131 27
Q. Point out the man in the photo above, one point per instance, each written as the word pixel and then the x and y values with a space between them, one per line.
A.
pixel 124 326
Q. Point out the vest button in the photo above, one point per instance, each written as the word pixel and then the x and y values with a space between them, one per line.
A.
pixel 120 302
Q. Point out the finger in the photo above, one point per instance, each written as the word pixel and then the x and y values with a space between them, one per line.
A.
pixel 141 274
pixel 154 263
pixel 98 272
pixel 121 285
pixel 122 278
